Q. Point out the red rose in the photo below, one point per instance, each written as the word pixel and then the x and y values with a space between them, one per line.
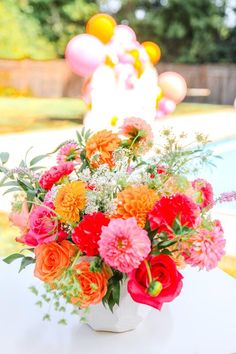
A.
pixel 87 234
pixel 167 209
pixel 163 270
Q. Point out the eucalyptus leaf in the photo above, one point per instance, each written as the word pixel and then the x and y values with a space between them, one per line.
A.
pixel 4 157
pixel 37 159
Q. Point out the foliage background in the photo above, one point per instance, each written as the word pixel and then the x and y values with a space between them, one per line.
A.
pixel 188 31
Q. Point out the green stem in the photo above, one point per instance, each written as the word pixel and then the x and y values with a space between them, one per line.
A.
pixel 75 259
pixel 148 271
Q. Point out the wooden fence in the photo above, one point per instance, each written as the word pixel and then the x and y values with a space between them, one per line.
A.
pixel 55 79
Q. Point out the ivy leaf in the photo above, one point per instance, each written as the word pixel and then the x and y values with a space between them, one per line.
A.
pixel 34 290
pixel 46 317
pixel 13 257
pixel 62 322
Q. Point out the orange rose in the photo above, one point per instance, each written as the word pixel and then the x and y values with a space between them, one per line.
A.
pixel 93 285
pixel 52 259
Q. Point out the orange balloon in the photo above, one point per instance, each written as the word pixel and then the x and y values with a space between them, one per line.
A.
pixel 101 26
pixel 153 50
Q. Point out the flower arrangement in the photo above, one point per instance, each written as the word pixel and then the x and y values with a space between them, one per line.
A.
pixel 109 212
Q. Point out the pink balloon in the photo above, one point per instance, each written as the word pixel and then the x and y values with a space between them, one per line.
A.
pixel 166 106
pixel 124 33
pixel 84 53
pixel 173 86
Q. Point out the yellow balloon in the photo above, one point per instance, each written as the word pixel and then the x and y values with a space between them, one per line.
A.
pixel 153 51
pixel 101 26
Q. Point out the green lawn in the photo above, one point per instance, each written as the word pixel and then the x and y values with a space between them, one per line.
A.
pixel 28 114
pixel 22 114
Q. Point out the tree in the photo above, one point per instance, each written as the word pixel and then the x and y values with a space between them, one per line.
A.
pixel 20 35
pixel 59 20
pixel 188 31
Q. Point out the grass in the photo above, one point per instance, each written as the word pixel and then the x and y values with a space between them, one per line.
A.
pixel 30 114
pixel 200 108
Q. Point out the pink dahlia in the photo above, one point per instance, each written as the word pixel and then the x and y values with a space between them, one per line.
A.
pixel 206 248
pixel 54 174
pixel 204 193
pixel 87 234
pixel 68 152
pixel 138 132
pixel 169 208
pixel 123 244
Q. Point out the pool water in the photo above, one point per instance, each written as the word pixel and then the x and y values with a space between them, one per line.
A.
pixel 223 177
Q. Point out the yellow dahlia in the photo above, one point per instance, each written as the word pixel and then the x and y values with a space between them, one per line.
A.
pixel 70 200
pixel 137 202
pixel 102 144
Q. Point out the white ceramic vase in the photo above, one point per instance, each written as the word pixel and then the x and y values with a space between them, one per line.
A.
pixel 125 317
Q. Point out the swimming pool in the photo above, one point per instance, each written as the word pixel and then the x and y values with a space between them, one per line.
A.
pixel 223 177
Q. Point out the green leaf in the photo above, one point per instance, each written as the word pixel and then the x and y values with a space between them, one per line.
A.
pixel 39 303
pixel 165 244
pixel 4 157
pixel 46 317
pixel 25 262
pixel 10 190
pixel 37 159
pixel 12 258
pixel 62 322
pixel 34 290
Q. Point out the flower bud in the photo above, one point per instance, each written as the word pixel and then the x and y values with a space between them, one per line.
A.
pixel 154 289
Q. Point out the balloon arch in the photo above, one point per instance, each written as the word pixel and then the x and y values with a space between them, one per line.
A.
pixel 120 78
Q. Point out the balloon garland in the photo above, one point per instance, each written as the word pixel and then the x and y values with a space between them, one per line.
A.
pixel 120 79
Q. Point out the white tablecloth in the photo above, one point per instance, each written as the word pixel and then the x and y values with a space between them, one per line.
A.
pixel 202 320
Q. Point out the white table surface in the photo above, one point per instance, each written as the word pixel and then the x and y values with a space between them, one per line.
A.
pixel 202 320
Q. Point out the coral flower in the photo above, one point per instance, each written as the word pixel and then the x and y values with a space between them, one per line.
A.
pixel 207 248
pixel 52 259
pixel 87 233
pixel 137 202
pixel 138 132
pixel 93 285
pixel 100 148
pixel 168 209
pixel 68 152
pixel 54 174
pixel 70 200
pixel 204 193
pixel 123 244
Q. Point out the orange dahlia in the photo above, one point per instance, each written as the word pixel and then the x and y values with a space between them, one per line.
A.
pixel 70 200
pixel 137 202
pixel 102 144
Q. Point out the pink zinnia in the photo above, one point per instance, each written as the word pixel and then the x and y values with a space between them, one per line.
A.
pixel 133 127
pixel 68 152
pixel 204 192
pixel 123 244
pixel 54 174
pixel 207 248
